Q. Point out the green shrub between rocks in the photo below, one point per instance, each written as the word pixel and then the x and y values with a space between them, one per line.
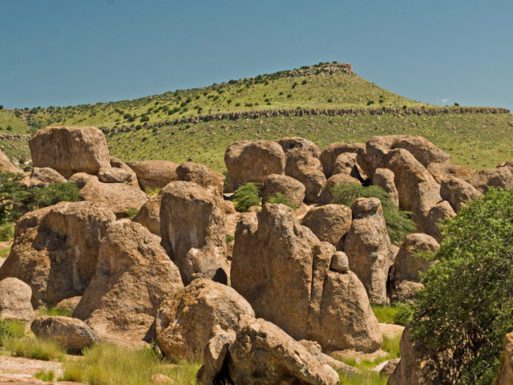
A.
pixel 467 307
pixel 279 198
pixel 246 196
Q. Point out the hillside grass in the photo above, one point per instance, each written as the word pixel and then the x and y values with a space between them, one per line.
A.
pixel 10 123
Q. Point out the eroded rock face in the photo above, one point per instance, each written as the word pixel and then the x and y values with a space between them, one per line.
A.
pixel 121 198
pixel 439 213
pixel 15 297
pixel 149 214
pixel 6 165
pixel 368 248
pixel 154 174
pixel 186 320
pixel 253 161
pixel 69 150
pixel 330 223
pixel 308 170
pixel 384 178
pixel 71 333
pixel 422 149
pixel 290 188
pixel 346 164
pixel 132 278
pixel 201 175
pixel 261 353
pixel 333 151
pixel 500 177
pixel 302 145
pixel 458 192
pixel 44 176
pixel 272 268
pixel 505 376
pixel 193 231
pixel 55 249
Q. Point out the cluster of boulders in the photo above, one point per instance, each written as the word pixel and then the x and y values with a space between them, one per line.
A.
pixel 257 297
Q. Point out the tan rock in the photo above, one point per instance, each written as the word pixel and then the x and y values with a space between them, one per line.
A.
pixel 505 376
pixel 330 223
pixel 44 176
pixel 439 213
pixel 55 249
pixel 253 161
pixel 201 175
pixel 458 192
pixel 149 214
pixel 326 195
pixel 346 164
pixel 333 151
pixel 303 145
pixel 15 297
pixel 71 333
pixel 368 248
pixel 290 188
pixel 154 174
pixel 69 150
pixel 6 165
pixel 187 318
pixel 384 178
pixel 376 151
pixel 132 278
pixel 69 304
pixel 308 170
pixel 500 177
pixel 193 231
pixel 127 175
pixel 422 149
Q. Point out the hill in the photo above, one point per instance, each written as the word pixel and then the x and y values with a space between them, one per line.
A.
pixel 327 102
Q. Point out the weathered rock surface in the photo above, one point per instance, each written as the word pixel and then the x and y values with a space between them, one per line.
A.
pixel 71 333
pixel 505 376
pixel 154 174
pixel 187 318
pixel 289 187
pixel 121 198
pixel 253 161
pixel 133 276
pixel 283 270
pixel 201 175
pixel 302 145
pixel 333 151
pixel 500 177
pixel 69 304
pixel 346 164
pixel 385 179
pixel 326 195
pixel 458 192
pixel 43 176
pixel 6 165
pixel 69 150
pixel 55 249
pixel 15 297
pixel 192 227
pixel 330 223
pixel 308 170
pixel 422 149
pixel 440 212
pixel 368 248
pixel 260 353
pixel 149 214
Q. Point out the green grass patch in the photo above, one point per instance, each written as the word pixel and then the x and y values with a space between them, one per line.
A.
pixel 399 313
pixel 11 330
pixel 365 378
pixel 47 376
pixel 107 365
pixel 282 199
pixel 31 347
pixel 54 311
pixel 4 252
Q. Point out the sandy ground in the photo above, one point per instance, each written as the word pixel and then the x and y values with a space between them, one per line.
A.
pixel 21 371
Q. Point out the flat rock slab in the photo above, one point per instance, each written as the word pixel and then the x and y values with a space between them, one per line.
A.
pixel 391 330
pixel 21 371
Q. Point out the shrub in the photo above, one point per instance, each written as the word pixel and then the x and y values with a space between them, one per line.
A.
pixel 467 307
pixel 6 231
pixel 280 198
pixel 246 196
pixel 398 222
pixel 11 329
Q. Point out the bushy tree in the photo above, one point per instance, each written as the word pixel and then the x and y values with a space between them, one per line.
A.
pixel 246 196
pixel 467 305
pixel 398 222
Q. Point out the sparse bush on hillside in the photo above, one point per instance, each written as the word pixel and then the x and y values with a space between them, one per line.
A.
pixel 398 222
pixel 467 308
pixel 246 196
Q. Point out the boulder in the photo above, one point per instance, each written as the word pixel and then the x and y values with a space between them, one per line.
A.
pixel 132 278
pixel 410 263
pixel 330 223
pixel 55 249
pixel 384 178
pixel 376 151
pixel 505 376
pixel 154 174
pixel 458 192
pixel 124 173
pixel 308 170
pixel 69 304
pixel 6 165
pixel 15 297
pixel 346 164
pixel 303 145
pixel 192 227
pixel 500 177
pixel 443 171
pixel 187 318
pixel 253 161
pixel 69 150
pixel 333 151
pixel 326 195
pixel 368 248
pixel 422 149
pixel 260 353
pixel 201 175
pixel 43 176
pixel 439 213
pixel 121 198
pixel 71 333
pixel 290 188
pixel 283 270
pixel 149 214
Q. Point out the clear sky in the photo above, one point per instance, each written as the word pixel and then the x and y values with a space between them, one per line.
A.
pixel 59 52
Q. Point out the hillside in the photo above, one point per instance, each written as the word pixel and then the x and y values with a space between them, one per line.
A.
pixel 325 103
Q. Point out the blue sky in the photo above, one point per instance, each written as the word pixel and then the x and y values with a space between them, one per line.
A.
pixel 59 52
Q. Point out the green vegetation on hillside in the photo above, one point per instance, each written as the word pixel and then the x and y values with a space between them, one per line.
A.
pixel 466 308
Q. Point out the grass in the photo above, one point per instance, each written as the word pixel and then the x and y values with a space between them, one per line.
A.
pixel 4 252
pixel 31 347
pixel 367 378
pixel 398 313
pixel 11 330
pixel 47 376
pixel 54 311
pixel 112 365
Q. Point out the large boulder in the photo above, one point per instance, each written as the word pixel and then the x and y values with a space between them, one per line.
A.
pixel 369 249
pixel 154 174
pixel 119 172
pixel 458 192
pixel 6 165
pixel 422 149
pixel 330 223
pixel 438 214
pixel 308 170
pixel 260 353
pixel 290 188
pixel 410 263
pixel 71 333
pixel 253 161
pixel 69 150
pixel 326 195
pixel 187 318
pixel 55 249
pixel 330 155
pixel 133 276
pixel 15 297
pixel 192 228
pixel 149 214
pixel 346 164
pixel 505 376
pixel 289 278
pixel 43 176
pixel 201 175
pixel 300 144
pixel 121 198
pixel 384 178
pixel 500 177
